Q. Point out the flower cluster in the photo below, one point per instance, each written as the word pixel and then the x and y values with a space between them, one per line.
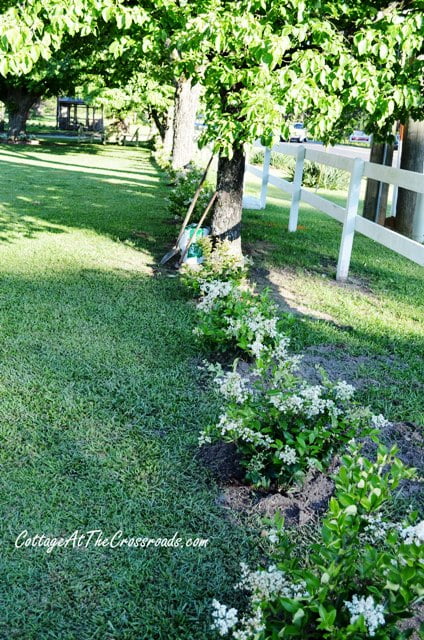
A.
pixel 413 534
pixel 269 584
pixel 372 613
pixel 224 618
pixel 210 291
pixel 342 586
pixel 219 264
pixel 231 385
pixel 234 430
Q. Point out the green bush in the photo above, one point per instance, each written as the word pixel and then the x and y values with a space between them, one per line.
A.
pixel 320 176
pixel 278 160
pixel 219 263
pixel 236 318
pixel 283 426
pixel 358 580
pixel 185 185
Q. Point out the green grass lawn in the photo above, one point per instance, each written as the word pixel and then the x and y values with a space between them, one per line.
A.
pixel 100 407
pixel 378 314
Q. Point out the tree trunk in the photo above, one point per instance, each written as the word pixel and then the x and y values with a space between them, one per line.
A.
pixel 409 207
pixel 186 103
pixel 169 132
pixel 18 102
pixel 159 122
pixel 376 195
pixel 226 221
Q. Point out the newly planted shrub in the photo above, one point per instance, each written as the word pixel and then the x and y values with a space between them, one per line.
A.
pixel 283 426
pixel 219 263
pixel 236 318
pixel 362 577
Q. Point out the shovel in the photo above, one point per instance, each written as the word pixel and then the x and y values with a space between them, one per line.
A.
pixel 204 214
pixel 175 249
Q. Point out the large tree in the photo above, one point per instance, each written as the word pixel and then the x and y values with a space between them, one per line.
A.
pixel 263 62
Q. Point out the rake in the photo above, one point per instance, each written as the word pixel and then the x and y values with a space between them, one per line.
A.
pixel 175 249
pixel 204 214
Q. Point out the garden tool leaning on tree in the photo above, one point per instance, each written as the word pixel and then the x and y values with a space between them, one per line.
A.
pixel 176 248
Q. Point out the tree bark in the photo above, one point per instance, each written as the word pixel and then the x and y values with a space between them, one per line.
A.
pixel 186 104
pixel 169 132
pixel 226 221
pixel 409 205
pixel 376 195
pixel 18 102
pixel 159 122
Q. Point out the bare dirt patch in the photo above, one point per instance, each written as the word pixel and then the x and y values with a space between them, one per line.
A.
pixel 341 365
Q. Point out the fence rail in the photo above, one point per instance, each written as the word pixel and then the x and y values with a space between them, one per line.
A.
pixel 348 215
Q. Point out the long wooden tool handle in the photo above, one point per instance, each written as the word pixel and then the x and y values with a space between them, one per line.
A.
pixel 205 213
pixel 193 202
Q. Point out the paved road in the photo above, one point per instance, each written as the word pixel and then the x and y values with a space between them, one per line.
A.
pixel 340 149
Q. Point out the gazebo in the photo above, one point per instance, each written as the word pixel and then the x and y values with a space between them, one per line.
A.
pixel 73 113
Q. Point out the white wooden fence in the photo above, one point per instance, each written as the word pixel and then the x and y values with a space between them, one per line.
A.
pixel 347 215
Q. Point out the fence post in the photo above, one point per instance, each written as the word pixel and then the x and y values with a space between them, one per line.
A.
pixel 297 186
pixel 348 232
pixel 265 177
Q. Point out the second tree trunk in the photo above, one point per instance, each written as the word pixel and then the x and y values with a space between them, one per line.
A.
pixel 226 221
pixel 186 104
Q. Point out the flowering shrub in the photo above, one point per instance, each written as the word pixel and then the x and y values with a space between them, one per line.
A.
pixel 219 263
pixel 284 426
pixel 233 317
pixel 186 183
pixel 160 156
pixel 357 582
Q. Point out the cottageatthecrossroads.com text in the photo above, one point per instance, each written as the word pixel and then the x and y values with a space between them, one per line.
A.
pixel 96 538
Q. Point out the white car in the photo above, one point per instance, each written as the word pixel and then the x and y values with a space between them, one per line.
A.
pixel 359 136
pixel 298 132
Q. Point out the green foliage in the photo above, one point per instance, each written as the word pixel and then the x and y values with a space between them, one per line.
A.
pixel 359 580
pixel 237 319
pixel 278 160
pixel 264 63
pixel 320 176
pixel 284 427
pixel 219 263
pixel 185 185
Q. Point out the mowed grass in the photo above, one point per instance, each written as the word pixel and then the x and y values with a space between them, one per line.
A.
pixel 100 407
pixel 377 317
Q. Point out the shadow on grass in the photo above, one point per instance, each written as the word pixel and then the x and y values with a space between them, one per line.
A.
pixel 100 414
pixel 123 205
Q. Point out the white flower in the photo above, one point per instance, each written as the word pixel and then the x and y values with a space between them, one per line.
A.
pixel 343 391
pixel 379 421
pixel 376 528
pixel 232 386
pixel 224 618
pixel 256 347
pixel 366 607
pixel 288 455
pixel 210 291
pixel 252 626
pixel 270 584
pixel 204 438
pixel 272 536
pixel 238 431
pixel 413 534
